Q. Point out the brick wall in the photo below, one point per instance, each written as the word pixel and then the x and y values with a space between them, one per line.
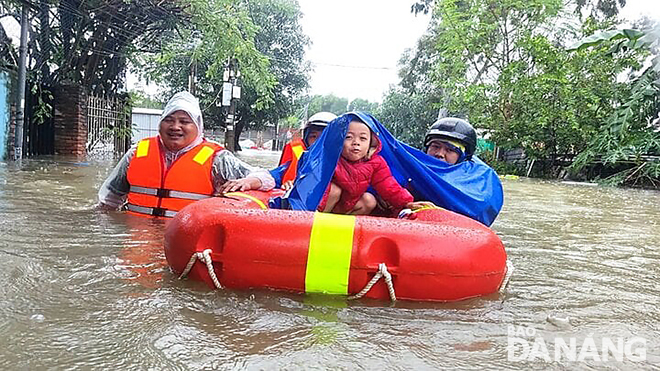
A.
pixel 70 120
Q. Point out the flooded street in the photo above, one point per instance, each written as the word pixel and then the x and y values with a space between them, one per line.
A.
pixel 84 289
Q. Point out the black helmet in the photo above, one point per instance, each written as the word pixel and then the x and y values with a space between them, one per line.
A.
pixel 456 129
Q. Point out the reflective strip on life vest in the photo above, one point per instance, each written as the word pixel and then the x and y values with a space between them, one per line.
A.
pixel 166 193
pixel 249 197
pixel 142 149
pixel 329 254
pixel 297 150
pixel 203 155
pixel 152 211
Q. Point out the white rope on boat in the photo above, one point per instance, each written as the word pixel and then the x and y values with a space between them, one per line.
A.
pixel 507 276
pixel 204 256
pixel 382 272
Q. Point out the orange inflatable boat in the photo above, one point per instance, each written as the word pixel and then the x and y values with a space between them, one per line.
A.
pixel 434 255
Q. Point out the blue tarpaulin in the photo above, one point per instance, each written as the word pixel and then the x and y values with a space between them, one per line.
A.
pixel 470 188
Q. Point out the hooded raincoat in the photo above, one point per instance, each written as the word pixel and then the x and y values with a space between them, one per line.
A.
pixel 354 178
pixel 225 165
pixel 470 188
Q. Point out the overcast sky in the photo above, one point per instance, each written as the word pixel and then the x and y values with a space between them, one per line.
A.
pixel 356 44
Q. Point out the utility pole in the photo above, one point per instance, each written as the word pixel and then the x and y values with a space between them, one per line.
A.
pixel 20 107
pixel 192 77
pixel 231 93
pixel 192 73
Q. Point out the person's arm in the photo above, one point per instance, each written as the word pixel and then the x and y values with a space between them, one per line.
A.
pixel 113 191
pixel 231 174
pixel 387 187
pixel 278 175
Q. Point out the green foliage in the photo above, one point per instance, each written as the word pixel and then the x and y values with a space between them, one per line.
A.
pixel 503 65
pixel 502 167
pixel 407 116
pixel 290 122
pixel 89 42
pixel 281 40
pixel 631 132
pixel 359 104
pixel 327 103
pixel 143 100
pixel 554 102
pixel 264 36
pixel 196 45
pixel 42 109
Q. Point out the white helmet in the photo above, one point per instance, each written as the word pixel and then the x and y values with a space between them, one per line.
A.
pixel 320 119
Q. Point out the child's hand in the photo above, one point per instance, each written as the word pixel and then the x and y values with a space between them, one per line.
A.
pixel 287 185
pixel 240 185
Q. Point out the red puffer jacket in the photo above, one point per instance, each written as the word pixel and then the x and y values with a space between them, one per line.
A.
pixel 355 177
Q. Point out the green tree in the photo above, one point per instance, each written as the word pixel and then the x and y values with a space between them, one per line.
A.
pixel 326 103
pixel 631 132
pixel 144 100
pixel 195 51
pixel 410 108
pixel 407 116
pixel 269 46
pixel 89 42
pixel 281 39
pixel 359 104
pixel 503 65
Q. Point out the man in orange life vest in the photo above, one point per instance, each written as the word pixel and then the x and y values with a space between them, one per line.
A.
pixel 162 174
pixel 286 172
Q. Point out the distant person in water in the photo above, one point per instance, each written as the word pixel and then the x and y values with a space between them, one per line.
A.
pixel 285 173
pixel 359 167
pixel 162 174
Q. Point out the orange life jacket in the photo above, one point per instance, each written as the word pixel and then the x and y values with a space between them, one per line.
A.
pixel 292 152
pixel 157 191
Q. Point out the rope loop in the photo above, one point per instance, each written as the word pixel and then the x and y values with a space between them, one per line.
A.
pixel 382 272
pixel 507 276
pixel 204 256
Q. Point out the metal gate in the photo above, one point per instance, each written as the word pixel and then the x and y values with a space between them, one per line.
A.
pixel 108 124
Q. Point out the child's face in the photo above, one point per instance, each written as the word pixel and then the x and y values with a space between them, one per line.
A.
pixel 356 144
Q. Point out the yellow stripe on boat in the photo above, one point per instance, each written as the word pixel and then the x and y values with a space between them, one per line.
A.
pixel 329 255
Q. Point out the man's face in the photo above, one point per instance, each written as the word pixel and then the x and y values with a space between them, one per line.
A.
pixel 314 132
pixel 177 130
pixel 442 150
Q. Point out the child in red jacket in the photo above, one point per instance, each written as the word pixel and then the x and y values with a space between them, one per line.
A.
pixel 359 167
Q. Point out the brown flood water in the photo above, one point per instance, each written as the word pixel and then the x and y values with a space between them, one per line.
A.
pixel 84 289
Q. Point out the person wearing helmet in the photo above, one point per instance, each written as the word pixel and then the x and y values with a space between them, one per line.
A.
pixel 286 172
pixel 451 140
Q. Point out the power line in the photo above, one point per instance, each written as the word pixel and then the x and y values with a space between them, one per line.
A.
pixel 354 67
